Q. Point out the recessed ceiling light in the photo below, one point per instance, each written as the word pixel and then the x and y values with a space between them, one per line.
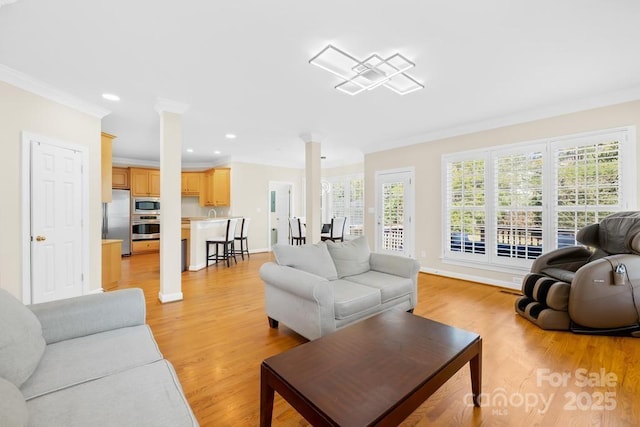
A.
pixel 216 152
pixel 189 150
pixel 111 97
pixel 230 136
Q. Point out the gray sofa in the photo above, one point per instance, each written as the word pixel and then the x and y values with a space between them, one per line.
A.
pixel 85 361
pixel 317 289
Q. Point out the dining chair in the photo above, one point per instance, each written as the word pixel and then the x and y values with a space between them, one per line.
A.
pixel 227 242
pixel 298 231
pixel 336 229
pixel 241 236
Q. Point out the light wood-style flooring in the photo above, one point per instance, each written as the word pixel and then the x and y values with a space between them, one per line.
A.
pixel 218 335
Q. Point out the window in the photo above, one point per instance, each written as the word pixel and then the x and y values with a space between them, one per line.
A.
pixel 505 206
pixel 344 196
pixel 467 206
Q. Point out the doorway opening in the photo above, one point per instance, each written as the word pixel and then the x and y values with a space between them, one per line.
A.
pixel 280 202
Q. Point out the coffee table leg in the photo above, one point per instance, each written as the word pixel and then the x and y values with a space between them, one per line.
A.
pixel 476 374
pixel 266 398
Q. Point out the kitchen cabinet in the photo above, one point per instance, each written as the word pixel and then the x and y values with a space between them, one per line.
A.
pixel 106 152
pixel 111 263
pixel 145 182
pixel 144 246
pixel 217 187
pixel 120 178
pixel 191 183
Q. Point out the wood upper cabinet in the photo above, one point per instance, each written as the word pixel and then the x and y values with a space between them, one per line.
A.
pixel 120 178
pixel 217 187
pixel 191 183
pixel 106 161
pixel 145 182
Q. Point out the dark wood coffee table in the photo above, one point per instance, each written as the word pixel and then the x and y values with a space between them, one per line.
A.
pixel 376 372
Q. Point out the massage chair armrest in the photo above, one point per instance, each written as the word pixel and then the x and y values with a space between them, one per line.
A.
pixel 297 282
pixel 570 258
pixel 90 314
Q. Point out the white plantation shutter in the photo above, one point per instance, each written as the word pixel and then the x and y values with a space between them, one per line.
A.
pixel 347 199
pixel 466 208
pixel 506 205
pixel 588 178
pixel 518 202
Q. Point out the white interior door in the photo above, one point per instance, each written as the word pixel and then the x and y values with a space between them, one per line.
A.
pixel 56 222
pixel 394 212
pixel 280 210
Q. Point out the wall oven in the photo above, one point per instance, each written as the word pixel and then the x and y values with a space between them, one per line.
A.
pixel 145 227
pixel 145 206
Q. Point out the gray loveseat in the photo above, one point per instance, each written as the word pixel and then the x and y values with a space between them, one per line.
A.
pixel 86 361
pixel 317 289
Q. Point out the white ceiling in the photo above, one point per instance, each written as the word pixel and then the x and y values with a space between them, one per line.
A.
pixel 242 66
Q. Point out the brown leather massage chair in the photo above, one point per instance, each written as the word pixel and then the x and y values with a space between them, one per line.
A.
pixel 593 289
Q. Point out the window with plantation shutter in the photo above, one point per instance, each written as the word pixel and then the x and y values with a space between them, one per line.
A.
pixel 588 182
pixel 466 213
pixel 346 198
pixel 518 201
pixel 506 205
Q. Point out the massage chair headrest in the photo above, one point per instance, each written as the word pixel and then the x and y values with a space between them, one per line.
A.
pixel 618 233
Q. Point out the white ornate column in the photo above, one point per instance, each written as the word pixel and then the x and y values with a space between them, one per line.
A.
pixel 170 199
pixel 313 175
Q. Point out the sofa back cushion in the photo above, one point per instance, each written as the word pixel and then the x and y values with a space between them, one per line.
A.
pixel 314 259
pixel 13 407
pixel 350 257
pixel 21 341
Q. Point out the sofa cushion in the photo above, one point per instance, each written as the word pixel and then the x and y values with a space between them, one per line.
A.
pixel 78 360
pixel 314 259
pixel 350 298
pixel 390 286
pixel 21 341
pixel 148 395
pixel 350 257
pixel 13 408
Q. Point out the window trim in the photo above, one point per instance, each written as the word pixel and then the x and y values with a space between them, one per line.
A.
pixel 548 146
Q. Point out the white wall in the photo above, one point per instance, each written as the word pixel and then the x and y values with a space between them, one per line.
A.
pixel 250 196
pixel 426 158
pixel 24 111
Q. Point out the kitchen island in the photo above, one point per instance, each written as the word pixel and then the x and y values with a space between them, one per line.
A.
pixel 197 230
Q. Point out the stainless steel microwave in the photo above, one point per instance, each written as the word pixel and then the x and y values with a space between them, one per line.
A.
pixel 146 205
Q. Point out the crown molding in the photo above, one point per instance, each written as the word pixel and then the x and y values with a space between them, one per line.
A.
pixel 45 90
pixel 125 162
pixel 569 107
pixel 166 105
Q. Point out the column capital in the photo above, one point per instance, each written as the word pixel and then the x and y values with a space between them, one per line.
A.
pixel 311 137
pixel 166 105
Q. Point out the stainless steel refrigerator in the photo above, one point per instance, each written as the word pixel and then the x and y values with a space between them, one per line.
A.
pixel 116 219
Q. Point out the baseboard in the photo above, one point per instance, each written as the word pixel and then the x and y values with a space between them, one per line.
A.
pixel 472 278
pixel 164 298
pixel 96 291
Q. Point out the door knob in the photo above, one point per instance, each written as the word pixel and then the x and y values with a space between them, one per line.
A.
pixel 41 238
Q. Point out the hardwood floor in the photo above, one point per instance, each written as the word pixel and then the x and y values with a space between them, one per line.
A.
pixel 218 335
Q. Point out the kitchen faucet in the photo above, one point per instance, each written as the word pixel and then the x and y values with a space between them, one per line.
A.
pixel 215 214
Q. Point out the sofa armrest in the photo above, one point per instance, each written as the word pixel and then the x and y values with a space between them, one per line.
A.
pixel 395 265
pixel 570 258
pixel 90 314
pixel 297 282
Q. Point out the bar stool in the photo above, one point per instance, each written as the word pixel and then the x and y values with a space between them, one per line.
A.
pixel 241 236
pixel 227 242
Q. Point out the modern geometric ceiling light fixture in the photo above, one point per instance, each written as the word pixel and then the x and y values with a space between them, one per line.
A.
pixel 369 73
